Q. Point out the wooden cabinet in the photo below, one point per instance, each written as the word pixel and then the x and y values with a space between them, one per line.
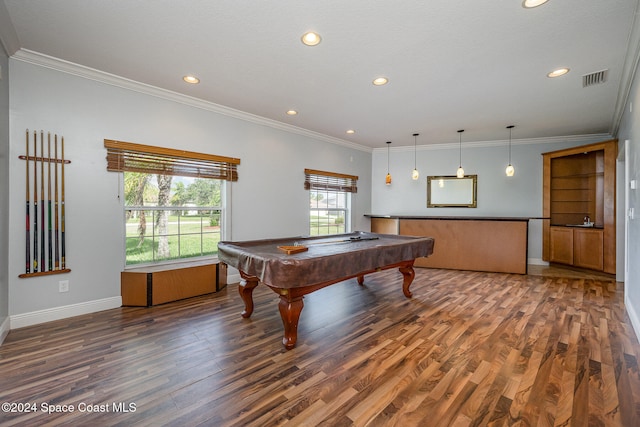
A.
pixel 580 182
pixel 561 245
pixel 588 249
pixel 153 285
pixel 577 246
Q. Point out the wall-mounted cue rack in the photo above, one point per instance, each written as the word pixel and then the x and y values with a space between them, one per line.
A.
pixel 45 246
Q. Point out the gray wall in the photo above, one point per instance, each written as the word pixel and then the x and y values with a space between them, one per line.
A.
pixel 4 194
pixel 269 199
pixel 630 130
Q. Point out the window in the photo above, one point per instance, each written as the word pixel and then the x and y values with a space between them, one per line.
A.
pixel 174 201
pixel 329 212
pixel 329 201
pixel 170 217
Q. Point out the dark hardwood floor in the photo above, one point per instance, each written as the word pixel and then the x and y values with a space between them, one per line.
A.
pixel 468 349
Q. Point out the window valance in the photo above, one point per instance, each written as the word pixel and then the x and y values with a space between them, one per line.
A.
pixel 321 180
pixel 130 157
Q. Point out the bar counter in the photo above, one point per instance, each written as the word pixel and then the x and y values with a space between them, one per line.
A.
pixel 493 244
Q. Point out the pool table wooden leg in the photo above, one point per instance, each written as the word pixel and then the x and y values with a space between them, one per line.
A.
pixel 245 289
pixel 408 274
pixel 290 309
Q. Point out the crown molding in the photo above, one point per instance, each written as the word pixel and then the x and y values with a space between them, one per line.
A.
pixel 67 67
pixel 571 139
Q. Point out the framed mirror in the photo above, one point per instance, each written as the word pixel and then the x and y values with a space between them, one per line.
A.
pixel 452 192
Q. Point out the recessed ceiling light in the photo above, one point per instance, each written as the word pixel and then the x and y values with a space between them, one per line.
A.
pixel 292 112
pixel 559 72
pixel 311 38
pixel 528 4
pixel 351 131
pixel 191 79
pixel 380 81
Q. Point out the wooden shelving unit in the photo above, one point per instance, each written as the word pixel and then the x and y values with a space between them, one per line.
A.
pixel 576 187
pixel 580 182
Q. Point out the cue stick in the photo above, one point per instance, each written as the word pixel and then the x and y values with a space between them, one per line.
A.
pixel 35 202
pixel 62 213
pixel 42 242
pixel 28 251
pixel 57 243
pixel 349 240
pixel 50 253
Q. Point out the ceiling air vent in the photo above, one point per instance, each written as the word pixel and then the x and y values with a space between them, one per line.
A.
pixel 594 78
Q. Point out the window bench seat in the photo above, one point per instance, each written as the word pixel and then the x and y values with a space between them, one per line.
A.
pixel 153 285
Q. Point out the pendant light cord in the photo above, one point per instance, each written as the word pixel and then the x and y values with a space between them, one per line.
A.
pixel 388 157
pixel 510 127
pixel 460 133
pixel 415 150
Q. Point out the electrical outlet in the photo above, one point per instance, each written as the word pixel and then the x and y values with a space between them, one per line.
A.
pixel 63 286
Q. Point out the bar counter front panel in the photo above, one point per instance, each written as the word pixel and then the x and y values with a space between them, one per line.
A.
pixel 465 243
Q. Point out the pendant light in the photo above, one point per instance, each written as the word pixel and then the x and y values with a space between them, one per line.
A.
pixel 415 174
pixel 388 178
pixel 510 170
pixel 460 172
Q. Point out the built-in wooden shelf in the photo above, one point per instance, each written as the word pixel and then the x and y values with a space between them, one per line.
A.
pixel 580 182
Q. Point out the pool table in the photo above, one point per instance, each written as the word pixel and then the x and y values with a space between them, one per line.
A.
pixel 296 266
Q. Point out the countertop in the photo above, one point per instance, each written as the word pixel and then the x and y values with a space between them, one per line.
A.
pixel 455 218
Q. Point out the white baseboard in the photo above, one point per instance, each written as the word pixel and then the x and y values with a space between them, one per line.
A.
pixel 233 278
pixel 4 329
pixel 537 261
pixel 633 315
pixel 57 313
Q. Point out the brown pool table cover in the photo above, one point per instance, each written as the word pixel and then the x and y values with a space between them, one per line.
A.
pixel 328 258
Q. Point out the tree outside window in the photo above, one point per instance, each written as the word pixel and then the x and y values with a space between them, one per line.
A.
pixel 171 217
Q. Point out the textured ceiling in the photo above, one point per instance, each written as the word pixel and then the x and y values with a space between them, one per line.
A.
pixel 465 64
